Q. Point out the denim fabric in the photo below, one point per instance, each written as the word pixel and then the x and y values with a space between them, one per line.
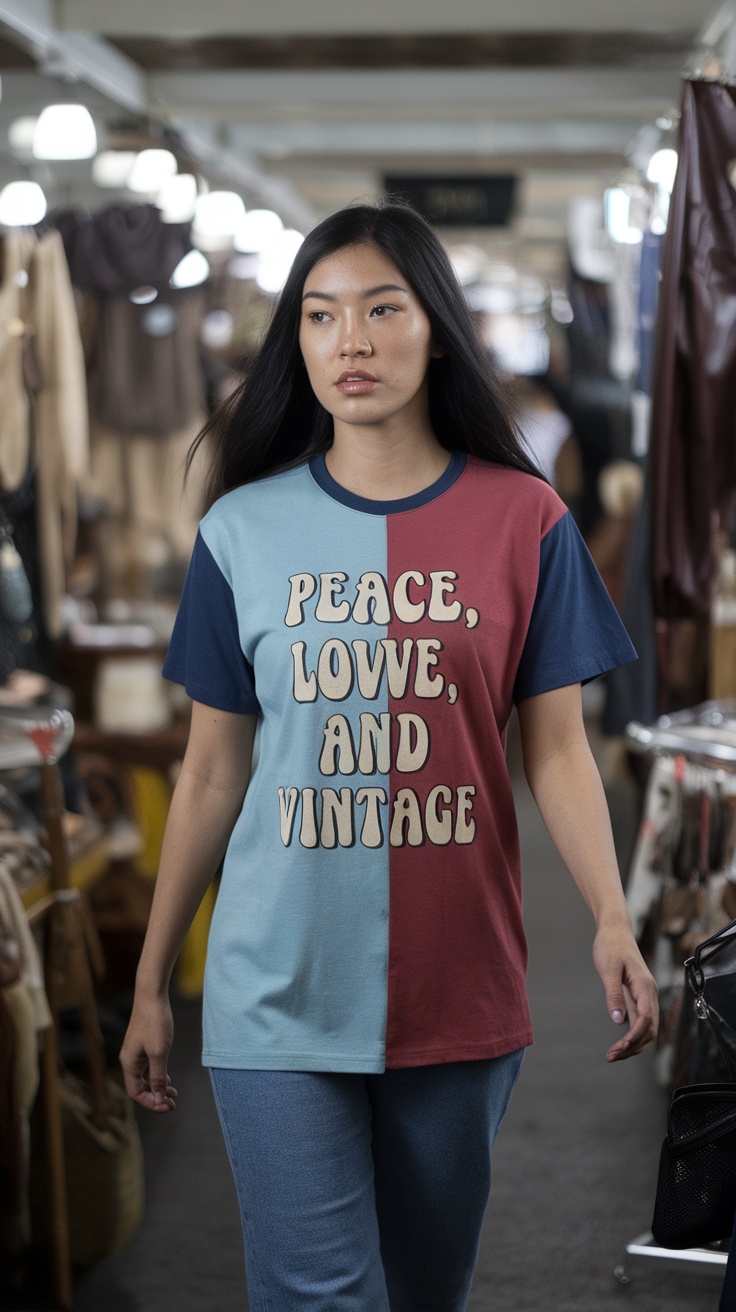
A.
pixel 363 1193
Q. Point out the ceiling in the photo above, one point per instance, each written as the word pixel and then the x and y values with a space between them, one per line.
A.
pixel 306 106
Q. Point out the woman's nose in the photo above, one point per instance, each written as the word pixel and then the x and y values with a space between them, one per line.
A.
pixel 354 340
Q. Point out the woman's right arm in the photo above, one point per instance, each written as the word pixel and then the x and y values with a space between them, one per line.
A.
pixel 204 807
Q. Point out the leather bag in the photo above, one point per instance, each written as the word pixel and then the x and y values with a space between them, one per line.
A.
pixel 696 1186
pixel 711 974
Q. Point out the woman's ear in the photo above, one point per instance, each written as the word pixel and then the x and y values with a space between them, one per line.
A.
pixel 437 351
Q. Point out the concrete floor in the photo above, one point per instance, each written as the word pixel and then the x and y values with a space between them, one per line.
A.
pixel 574 1168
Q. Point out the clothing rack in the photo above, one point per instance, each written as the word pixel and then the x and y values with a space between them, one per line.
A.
pixel 706 736
pixel 39 738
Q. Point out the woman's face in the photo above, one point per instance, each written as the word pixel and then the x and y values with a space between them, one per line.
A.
pixel 365 339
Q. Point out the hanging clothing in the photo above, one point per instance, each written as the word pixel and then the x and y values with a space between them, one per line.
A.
pixel 120 248
pixel 693 450
pixel 44 390
pixel 62 428
pixel 152 515
pixel 631 690
pixel 17 249
pixel 145 366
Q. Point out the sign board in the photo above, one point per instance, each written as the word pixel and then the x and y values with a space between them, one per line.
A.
pixel 458 202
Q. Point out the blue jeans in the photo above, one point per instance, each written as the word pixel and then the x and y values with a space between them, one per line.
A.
pixel 363 1193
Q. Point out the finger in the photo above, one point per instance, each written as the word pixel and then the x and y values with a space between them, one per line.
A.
pixel 615 1000
pixel 158 1078
pixel 146 1099
pixel 641 1033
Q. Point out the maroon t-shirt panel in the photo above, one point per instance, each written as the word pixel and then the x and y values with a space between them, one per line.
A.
pixel 463 572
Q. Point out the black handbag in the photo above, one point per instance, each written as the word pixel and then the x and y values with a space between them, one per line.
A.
pixel 696 1187
pixel 711 974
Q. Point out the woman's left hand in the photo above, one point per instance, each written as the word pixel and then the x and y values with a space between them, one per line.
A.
pixel 631 993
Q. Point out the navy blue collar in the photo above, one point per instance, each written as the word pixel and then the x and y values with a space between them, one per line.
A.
pixel 322 476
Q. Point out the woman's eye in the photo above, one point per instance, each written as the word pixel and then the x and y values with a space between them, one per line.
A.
pixel 318 316
pixel 382 310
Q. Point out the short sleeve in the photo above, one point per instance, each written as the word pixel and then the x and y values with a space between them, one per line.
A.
pixel 204 653
pixel 575 633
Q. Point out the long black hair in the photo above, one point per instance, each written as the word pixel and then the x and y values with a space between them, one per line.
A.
pixel 274 421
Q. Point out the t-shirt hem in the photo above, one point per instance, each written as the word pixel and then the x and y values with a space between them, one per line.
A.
pixel 345 1063
pixel 458 1051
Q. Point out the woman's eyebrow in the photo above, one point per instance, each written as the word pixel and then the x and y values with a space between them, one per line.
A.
pixel 384 287
pixel 372 291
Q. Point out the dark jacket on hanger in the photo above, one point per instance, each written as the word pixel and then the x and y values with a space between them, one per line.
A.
pixel 145 371
pixel 121 248
pixel 693 449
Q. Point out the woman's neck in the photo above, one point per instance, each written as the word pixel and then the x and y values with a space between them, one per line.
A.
pixel 383 467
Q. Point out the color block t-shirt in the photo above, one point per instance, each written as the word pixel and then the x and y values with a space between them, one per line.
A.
pixel 369 913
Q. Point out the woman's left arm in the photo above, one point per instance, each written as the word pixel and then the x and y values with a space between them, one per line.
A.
pixel 567 788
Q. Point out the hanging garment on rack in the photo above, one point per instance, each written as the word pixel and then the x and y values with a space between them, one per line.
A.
pixel 24 1014
pixel 120 248
pixel 153 515
pixel 17 250
pixel 44 394
pixel 145 366
pixel 693 450
pixel 62 431
pixel 12 914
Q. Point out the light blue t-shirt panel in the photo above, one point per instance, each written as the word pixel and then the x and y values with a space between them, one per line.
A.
pixel 303 953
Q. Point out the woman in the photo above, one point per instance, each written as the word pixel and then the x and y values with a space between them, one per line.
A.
pixel 382 573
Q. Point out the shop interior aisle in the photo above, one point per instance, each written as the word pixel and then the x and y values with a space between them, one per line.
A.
pixel 574 1169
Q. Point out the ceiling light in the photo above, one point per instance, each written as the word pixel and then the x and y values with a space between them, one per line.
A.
pixel 111 168
pixel 276 260
pixel 618 210
pixel 22 204
pixel 256 230
pixel 65 132
pixel 662 168
pixel 217 217
pixel 20 134
pixel 191 270
pixel 177 198
pixel 150 170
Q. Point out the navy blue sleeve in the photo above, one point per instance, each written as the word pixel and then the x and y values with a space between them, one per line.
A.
pixel 575 632
pixel 204 652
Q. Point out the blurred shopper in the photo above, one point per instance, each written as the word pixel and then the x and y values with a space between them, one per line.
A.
pixel 383 572
pixel 543 427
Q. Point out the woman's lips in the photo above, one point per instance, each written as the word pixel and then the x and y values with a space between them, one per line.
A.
pixel 354 382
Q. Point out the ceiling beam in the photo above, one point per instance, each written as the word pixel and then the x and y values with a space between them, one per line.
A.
pixel 466 50
pixel 333 17
pixel 531 92
pixel 433 137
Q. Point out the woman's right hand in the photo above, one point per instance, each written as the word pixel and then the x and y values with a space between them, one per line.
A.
pixel 145 1053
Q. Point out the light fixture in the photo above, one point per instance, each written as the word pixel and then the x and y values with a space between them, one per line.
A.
pixel 662 168
pixel 150 170
pixel 143 295
pixel 20 134
pixel 276 260
pixel 256 230
pixel 177 198
pixel 22 204
pixel 65 132
pixel 111 168
pixel 217 217
pixel 618 212
pixel 192 270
